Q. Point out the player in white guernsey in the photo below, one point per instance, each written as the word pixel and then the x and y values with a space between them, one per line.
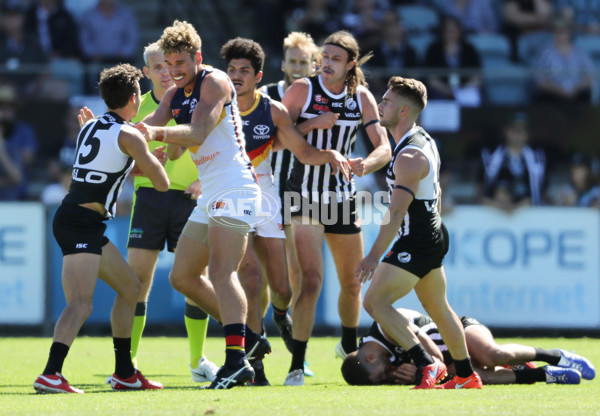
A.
pixel 328 109
pixel 267 125
pixel 415 260
pixel 203 103
pixel 106 150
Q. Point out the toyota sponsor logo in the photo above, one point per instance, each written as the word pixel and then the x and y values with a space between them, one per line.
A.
pixel 261 129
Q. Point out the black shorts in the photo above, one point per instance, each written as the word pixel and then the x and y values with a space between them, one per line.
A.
pixel 417 257
pixel 157 217
pixel 79 230
pixel 336 217
pixel 467 322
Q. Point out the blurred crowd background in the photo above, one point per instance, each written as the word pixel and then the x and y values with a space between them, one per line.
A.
pixel 514 85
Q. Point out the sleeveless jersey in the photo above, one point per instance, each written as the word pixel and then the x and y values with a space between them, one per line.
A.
pixel 281 160
pixel 100 166
pixel 221 159
pixel 422 220
pixel 315 182
pixel 182 171
pixel 259 133
pixel 399 355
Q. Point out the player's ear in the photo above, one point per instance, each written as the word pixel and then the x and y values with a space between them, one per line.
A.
pixel 258 77
pixel 198 57
pixel 146 71
pixel 370 357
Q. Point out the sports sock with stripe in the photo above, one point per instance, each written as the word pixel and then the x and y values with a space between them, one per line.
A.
pixel 234 344
pixel 420 356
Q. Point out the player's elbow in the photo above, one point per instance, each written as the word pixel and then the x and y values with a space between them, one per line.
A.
pixel 162 185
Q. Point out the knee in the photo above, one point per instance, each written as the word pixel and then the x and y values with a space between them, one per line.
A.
pixel 252 283
pixel 311 284
pixel 282 289
pixel 81 307
pixel 369 303
pixel 178 282
pixel 351 288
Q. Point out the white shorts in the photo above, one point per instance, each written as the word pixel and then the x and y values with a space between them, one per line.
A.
pixel 242 203
pixel 269 224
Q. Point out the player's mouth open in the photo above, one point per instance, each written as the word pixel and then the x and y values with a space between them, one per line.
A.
pixel 177 78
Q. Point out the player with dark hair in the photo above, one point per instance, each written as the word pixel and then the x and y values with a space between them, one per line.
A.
pixel 328 109
pixel 379 360
pixel 267 125
pixel 106 150
pixel 415 260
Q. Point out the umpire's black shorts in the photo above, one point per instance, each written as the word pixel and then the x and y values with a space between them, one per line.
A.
pixel 158 217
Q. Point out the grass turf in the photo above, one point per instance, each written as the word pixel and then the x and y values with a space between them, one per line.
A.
pixel 91 360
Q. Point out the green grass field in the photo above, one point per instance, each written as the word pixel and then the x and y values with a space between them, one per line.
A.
pixel 90 361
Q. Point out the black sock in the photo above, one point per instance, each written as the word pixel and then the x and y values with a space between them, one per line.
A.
pixel 349 336
pixel 251 338
pixel 123 365
pixel 298 354
pixel 463 367
pixel 279 314
pixel 530 375
pixel 58 353
pixel 551 357
pixel 420 356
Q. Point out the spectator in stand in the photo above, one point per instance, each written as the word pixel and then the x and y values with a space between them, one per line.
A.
pixel 18 145
pixel 55 27
pixel 524 17
pixel 583 189
pixel 392 52
pixel 315 18
pixel 562 72
pixel 363 18
pixel 19 51
pixel 54 192
pixel 108 34
pixel 475 16
pixel 514 173
pixel 584 14
pixel 452 52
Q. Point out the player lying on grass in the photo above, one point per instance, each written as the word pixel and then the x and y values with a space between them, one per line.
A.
pixel 380 361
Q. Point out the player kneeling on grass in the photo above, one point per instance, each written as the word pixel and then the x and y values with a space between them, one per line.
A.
pixel 106 150
pixel 379 360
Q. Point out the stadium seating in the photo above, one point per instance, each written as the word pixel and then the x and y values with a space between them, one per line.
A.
pixel 530 44
pixel 591 44
pixel 507 85
pixel 416 18
pixel 494 49
pixel 420 42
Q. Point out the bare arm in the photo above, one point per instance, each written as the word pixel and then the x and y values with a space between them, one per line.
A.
pixel 132 143
pixel 291 139
pixel 162 115
pixel 294 99
pixel 382 152
pixel 410 167
pixel 216 93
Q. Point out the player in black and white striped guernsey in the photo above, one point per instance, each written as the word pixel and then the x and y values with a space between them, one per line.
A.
pixel 299 61
pixel 328 109
pixel 379 360
pixel 106 149
pixel 415 260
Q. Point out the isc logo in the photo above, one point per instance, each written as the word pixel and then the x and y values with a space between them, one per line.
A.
pixel 81 245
